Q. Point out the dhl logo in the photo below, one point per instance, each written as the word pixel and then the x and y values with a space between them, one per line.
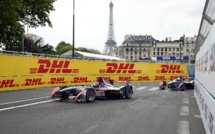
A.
pixel 125 79
pixel 143 78
pixel 32 82
pixel 160 78
pixel 56 66
pixel 170 69
pixel 80 80
pixel 8 83
pixel 58 81
pixel 121 68
pixel 105 78
pixel 173 77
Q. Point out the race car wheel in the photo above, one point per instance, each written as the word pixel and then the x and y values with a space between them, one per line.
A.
pixel 90 95
pixel 128 92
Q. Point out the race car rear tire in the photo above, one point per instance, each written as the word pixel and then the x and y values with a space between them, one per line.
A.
pixel 128 92
pixel 90 95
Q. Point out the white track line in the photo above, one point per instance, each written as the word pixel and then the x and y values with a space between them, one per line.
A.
pixel 141 88
pixel 184 111
pixel 153 89
pixel 12 102
pixel 183 127
pixel 185 101
pixel 26 105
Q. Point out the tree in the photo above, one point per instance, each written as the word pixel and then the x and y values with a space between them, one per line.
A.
pixel 63 47
pixel 83 49
pixel 35 44
pixel 15 14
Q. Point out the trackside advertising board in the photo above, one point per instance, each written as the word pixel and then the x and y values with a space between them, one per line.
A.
pixel 205 81
pixel 19 72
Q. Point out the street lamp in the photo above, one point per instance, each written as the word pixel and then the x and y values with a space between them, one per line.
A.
pixel 73 42
pixel 181 43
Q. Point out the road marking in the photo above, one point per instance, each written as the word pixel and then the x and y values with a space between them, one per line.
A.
pixel 26 105
pixel 197 116
pixel 89 129
pixel 153 89
pixel 183 127
pixel 184 111
pixel 141 88
pixel 12 102
pixel 185 101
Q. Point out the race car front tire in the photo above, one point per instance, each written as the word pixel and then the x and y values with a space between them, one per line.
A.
pixel 90 95
pixel 128 92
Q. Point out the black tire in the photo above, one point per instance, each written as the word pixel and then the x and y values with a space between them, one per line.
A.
pixel 90 95
pixel 128 92
pixel 64 96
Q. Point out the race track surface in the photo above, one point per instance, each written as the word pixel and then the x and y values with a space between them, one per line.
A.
pixel 149 111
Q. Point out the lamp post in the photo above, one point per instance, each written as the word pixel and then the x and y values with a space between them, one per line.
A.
pixel 181 43
pixel 73 41
pixel 180 53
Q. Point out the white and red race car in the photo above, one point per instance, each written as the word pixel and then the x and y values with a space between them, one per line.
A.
pixel 98 89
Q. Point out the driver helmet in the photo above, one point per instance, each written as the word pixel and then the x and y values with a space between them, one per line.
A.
pixel 96 84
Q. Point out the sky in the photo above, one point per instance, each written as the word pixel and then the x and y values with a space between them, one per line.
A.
pixel 159 18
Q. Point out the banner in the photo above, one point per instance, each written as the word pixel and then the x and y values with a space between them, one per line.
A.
pixel 26 82
pixel 172 57
pixel 19 72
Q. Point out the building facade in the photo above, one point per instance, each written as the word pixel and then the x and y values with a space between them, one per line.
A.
pixel 137 47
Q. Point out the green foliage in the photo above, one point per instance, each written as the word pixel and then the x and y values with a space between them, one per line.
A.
pixel 63 47
pixel 83 49
pixel 15 13
pixel 36 45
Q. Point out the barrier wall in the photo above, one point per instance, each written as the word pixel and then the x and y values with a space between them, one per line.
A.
pixel 204 82
pixel 19 72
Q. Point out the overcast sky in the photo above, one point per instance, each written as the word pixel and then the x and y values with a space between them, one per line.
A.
pixel 159 18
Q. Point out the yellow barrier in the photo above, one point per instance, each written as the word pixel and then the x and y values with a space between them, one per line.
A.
pixel 19 72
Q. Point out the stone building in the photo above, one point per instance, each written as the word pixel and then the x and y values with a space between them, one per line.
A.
pixel 137 47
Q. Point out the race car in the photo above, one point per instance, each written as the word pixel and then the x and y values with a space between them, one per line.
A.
pixel 98 89
pixel 177 84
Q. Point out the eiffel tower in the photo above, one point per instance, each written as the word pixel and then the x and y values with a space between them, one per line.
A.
pixel 110 43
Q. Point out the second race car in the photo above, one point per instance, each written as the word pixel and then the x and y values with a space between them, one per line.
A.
pixel 177 84
pixel 98 89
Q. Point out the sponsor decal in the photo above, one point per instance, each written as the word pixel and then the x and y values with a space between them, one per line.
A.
pixel 170 69
pixel 32 82
pixel 80 80
pixel 172 57
pixel 121 68
pixel 159 78
pixel 55 66
pixel 59 80
pixel 208 114
pixel 143 78
pixel 125 79
pixel 8 83
pixel 173 77
pixel 105 78
pixel 206 63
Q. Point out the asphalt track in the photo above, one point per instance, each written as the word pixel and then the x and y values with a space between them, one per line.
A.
pixel 149 111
